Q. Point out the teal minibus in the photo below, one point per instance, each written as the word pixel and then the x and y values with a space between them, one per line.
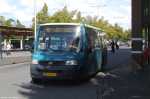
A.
pixel 67 51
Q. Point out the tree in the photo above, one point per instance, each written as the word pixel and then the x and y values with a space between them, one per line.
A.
pixel 42 16
pixel 78 17
pixel 64 15
pixel 9 22
pixel 127 34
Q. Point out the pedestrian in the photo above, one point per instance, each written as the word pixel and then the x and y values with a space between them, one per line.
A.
pixel 8 48
pixel 112 46
pixel 117 45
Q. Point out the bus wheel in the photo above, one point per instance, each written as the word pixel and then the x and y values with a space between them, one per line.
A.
pixel 36 81
pixel 104 62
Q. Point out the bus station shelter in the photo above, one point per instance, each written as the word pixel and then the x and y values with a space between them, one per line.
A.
pixel 16 36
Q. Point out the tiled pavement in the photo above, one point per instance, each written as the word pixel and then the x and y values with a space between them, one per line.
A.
pixel 121 81
pixel 15 57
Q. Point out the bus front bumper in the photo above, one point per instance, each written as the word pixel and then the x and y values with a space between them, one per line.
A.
pixel 56 72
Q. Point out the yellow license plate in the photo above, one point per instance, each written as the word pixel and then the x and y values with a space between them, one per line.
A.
pixel 50 74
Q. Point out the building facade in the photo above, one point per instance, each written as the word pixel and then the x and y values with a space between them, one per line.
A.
pixel 18 38
pixel 141 30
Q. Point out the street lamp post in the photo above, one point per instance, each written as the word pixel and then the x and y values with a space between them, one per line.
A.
pixel 35 19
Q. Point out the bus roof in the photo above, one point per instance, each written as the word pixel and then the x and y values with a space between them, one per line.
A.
pixel 60 24
pixel 76 24
pixel 96 28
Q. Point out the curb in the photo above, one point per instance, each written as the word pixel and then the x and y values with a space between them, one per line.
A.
pixel 14 65
pixel 14 60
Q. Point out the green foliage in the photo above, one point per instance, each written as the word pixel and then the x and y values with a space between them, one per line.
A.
pixel 5 22
pixel 42 16
pixel 113 31
pixel 78 17
pixel 62 16
pixel 10 22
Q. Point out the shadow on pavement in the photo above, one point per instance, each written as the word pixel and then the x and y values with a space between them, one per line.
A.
pixel 118 82
pixel 115 60
pixel 126 86
pixel 57 90
pixel 104 86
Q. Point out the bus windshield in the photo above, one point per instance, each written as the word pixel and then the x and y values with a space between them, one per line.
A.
pixel 59 38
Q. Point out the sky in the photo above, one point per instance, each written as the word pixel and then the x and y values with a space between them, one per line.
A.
pixel 115 11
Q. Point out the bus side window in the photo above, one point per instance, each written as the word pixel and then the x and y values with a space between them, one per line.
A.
pixel 97 40
pixel 101 41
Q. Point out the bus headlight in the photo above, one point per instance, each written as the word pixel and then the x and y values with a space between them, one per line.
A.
pixel 35 62
pixel 71 62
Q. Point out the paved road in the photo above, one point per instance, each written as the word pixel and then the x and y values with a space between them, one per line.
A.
pixel 15 82
pixel 115 84
pixel 118 58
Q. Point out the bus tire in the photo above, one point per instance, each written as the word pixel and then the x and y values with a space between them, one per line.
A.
pixel 36 81
pixel 104 62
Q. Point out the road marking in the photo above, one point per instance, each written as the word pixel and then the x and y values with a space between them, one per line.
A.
pixel 9 98
pixel 136 39
pixel 94 81
pixel 13 65
pixel 136 52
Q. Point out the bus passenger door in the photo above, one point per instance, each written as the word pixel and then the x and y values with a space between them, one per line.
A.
pixel 94 51
pixel 98 57
pixel 98 53
pixel 95 57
